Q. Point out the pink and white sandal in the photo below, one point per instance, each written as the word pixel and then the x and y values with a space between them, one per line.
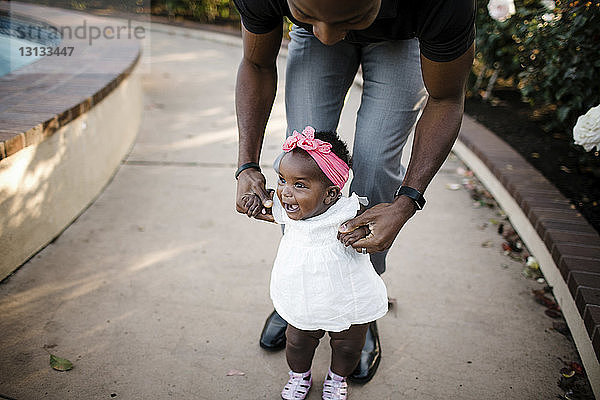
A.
pixel 297 386
pixel 335 387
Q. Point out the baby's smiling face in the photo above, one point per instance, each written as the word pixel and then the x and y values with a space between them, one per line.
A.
pixel 302 188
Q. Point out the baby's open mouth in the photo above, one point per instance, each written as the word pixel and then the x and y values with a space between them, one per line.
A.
pixel 291 207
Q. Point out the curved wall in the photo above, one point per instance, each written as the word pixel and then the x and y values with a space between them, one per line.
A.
pixel 63 134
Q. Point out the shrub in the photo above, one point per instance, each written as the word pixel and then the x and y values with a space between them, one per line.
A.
pixel 201 10
pixel 561 60
pixel 549 53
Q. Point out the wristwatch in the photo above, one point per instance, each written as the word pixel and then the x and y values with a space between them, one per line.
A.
pixel 414 194
pixel 245 167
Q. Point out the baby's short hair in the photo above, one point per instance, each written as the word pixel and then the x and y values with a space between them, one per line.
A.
pixel 338 147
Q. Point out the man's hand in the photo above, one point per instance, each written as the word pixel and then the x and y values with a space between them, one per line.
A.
pixel 250 188
pixel 384 222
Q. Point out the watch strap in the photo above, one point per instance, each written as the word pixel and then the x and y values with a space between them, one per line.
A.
pixel 414 194
pixel 244 167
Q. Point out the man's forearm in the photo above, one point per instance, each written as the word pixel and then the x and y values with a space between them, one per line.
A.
pixel 435 135
pixel 254 95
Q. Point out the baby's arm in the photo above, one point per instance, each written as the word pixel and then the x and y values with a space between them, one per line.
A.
pixel 252 202
pixel 349 238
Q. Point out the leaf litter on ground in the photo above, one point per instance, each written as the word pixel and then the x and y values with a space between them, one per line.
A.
pixel 574 382
pixel 572 376
pixel 453 186
pixel 235 372
pixel 541 298
pixel 60 364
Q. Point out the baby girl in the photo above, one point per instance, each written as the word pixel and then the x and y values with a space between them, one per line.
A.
pixel 319 283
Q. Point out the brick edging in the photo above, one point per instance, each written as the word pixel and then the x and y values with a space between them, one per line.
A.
pixel 569 238
pixel 36 103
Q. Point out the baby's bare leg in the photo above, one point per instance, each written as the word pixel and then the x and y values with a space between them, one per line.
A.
pixel 346 347
pixel 300 347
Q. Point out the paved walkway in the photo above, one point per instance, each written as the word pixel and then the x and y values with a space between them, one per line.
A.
pixel 159 288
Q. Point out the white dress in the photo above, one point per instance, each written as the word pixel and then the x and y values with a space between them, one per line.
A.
pixel 317 282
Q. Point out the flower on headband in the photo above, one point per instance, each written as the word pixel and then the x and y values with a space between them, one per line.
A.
pixel 332 166
pixel 306 141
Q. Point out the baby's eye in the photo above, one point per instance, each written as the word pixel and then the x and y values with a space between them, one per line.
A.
pixel 299 185
pixel 281 180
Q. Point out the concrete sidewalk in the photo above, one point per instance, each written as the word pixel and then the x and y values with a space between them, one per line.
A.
pixel 160 288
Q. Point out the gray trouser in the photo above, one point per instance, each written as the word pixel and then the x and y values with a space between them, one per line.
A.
pixel 317 80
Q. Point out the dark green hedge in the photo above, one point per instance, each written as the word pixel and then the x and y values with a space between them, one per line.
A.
pixel 199 10
pixel 551 55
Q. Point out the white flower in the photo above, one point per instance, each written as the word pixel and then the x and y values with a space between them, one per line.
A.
pixel 548 17
pixel 587 129
pixel 549 4
pixel 501 10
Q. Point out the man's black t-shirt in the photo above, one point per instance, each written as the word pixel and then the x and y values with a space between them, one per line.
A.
pixel 445 28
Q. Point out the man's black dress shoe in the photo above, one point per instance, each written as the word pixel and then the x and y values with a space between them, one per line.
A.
pixel 369 357
pixel 273 333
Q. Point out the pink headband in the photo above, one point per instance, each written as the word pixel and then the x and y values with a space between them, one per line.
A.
pixel 333 166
